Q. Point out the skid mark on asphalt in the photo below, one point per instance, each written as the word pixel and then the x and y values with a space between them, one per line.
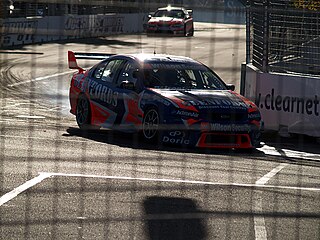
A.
pixel 40 78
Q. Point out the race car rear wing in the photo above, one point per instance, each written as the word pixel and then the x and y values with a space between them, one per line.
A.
pixel 73 56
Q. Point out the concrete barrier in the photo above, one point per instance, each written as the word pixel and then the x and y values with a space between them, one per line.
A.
pixel 20 31
pixel 288 103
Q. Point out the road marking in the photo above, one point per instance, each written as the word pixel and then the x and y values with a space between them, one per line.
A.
pixel 246 185
pixel 40 78
pixel 30 116
pixel 259 223
pixel 15 192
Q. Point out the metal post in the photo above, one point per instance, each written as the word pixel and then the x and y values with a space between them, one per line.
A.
pixel 265 63
pixel 248 32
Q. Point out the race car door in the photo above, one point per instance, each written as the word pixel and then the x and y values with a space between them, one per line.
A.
pixel 129 112
pixel 104 99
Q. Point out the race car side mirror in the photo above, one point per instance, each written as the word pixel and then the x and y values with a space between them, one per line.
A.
pixel 231 87
pixel 127 85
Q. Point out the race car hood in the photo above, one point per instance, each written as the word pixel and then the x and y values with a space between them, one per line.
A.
pixel 199 100
pixel 165 20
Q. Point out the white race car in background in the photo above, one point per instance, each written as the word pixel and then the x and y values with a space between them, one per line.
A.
pixel 171 20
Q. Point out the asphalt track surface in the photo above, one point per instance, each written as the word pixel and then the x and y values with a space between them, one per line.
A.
pixel 57 182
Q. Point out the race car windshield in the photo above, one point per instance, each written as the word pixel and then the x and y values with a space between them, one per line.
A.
pixel 171 13
pixel 181 76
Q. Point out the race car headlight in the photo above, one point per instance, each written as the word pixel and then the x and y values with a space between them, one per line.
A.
pixel 254 116
pixel 152 25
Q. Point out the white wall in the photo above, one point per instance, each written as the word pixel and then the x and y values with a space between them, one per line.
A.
pixel 286 101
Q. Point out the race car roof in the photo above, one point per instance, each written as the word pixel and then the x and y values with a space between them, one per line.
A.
pixel 142 57
pixel 171 8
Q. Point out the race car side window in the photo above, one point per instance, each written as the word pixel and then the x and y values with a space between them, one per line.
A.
pixel 99 70
pixel 110 71
pixel 211 81
pixel 127 73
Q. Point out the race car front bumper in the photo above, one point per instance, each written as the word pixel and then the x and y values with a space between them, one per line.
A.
pixel 217 140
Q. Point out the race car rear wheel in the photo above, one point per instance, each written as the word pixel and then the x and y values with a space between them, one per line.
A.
pixel 83 112
pixel 151 125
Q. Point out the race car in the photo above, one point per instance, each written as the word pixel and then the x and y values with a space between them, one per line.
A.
pixel 171 20
pixel 165 98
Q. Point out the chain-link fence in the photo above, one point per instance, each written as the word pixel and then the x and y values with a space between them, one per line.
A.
pixel 284 35
pixel 60 182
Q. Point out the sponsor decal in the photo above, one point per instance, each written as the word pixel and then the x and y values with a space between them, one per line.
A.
pixel 273 102
pixel 177 134
pixel 78 82
pixel 216 103
pixel 178 66
pixel 176 137
pixel 187 114
pixel 229 128
pixel 102 92
pixel 254 115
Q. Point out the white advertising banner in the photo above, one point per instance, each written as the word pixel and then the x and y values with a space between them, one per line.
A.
pixel 20 31
pixel 286 101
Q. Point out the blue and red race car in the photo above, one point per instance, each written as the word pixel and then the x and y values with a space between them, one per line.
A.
pixel 171 20
pixel 168 99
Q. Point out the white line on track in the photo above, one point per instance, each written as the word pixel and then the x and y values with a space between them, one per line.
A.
pixel 15 192
pixel 259 223
pixel 43 175
pixel 40 78
pixel 247 185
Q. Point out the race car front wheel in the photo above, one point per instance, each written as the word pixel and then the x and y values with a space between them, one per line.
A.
pixel 191 32
pixel 83 112
pixel 151 125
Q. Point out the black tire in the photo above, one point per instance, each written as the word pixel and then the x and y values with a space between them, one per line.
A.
pixel 191 32
pixel 83 113
pixel 151 125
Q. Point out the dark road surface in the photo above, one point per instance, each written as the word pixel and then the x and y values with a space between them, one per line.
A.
pixel 57 182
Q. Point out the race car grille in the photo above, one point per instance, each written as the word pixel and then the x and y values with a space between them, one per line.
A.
pixel 227 117
pixel 163 24
pixel 225 139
